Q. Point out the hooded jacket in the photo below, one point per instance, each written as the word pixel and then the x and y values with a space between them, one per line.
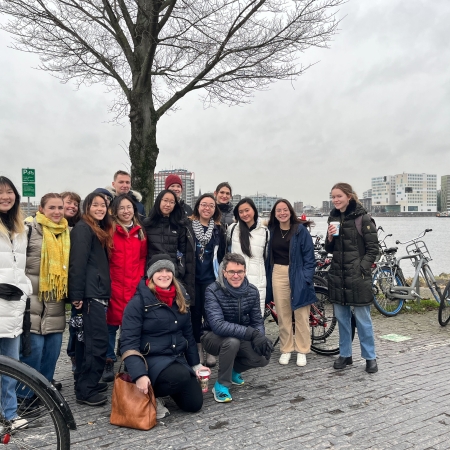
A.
pixel 126 268
pixel 349 277
pixel 228 316
pixel 259 240
pixel 12 271
pixel 47 316
pixel 136 197
pixel 161 333
pixel 302 266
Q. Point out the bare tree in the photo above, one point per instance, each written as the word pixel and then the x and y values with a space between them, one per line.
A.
pixel 153 52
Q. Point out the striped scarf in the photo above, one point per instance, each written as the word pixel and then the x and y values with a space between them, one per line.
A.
pixel 54 258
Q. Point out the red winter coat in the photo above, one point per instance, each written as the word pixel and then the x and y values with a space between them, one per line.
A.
pixel 126 267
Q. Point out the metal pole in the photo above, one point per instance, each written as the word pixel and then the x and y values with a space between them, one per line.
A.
pixel 28 207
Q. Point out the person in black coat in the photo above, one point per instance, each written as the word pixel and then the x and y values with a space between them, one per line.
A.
pixel 166 231
pixel 157 323
pixel 234 327
pixel 209 240
pixel 350 277
pixel 89 288
pixel 223 195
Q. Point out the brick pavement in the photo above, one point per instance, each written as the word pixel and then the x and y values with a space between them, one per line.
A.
pixel 406 405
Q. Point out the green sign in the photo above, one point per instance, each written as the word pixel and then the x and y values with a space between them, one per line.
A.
pixel 28 176
pixel 28 190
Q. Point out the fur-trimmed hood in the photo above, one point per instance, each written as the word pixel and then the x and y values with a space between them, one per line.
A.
pixel 137 195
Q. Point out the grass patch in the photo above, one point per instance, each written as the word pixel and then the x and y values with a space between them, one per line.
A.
pixel 412 307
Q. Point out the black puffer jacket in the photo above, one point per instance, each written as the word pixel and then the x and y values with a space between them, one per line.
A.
pixel 228 316
pixel 88 265
pixel 187 210
pixel 167 238
pixel 227 216
pixel 350 280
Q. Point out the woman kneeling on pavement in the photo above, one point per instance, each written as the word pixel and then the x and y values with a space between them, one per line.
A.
pixel 157 323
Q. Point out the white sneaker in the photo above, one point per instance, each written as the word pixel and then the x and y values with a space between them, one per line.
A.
pixel 18 422
pixel 161 410
pixel 301 359
pixel 284 358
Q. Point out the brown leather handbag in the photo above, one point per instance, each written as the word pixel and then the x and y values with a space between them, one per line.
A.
pixel 129 407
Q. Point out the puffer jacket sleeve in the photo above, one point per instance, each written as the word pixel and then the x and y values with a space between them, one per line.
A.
pixel 256 318
pixel 370 238
pixel 130 338
pixel 80 248
pixel 191 353
pixel 307 249
pixel 329 246
pixel 143 257
pixel 216 320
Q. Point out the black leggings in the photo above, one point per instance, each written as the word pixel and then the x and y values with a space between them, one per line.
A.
pixel 198 310
pixel 177 381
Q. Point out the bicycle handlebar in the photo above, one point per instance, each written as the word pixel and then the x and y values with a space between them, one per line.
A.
pixel 415 239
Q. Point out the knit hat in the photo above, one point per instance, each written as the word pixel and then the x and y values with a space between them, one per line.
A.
pixel 159 262
pixel 172 179
pixel 105 192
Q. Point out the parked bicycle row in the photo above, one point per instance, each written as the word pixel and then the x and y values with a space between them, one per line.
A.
pixel 185 287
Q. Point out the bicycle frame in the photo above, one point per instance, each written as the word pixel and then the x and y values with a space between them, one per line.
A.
pixel 411 293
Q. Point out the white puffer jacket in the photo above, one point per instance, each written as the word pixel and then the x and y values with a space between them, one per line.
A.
pixel 12 271
pixel 256 272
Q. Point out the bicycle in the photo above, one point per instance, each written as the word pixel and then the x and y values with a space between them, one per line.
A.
pixel 390 290
pixel 47 413
pixel 444 307
pixel 322 321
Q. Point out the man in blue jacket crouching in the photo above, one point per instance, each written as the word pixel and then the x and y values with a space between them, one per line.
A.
pixel 234 327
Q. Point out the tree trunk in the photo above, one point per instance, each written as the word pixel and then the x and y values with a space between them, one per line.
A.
pixel 143 147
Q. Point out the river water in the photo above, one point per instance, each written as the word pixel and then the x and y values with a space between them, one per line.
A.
pixel 406 228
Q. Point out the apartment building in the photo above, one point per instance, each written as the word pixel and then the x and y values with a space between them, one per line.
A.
pixel 188 179
pixel 445 193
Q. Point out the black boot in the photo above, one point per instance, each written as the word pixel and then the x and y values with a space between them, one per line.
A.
pixel 371 366
pixel 343 361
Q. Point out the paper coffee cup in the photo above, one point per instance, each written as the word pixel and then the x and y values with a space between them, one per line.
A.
pixel 203 378
pixel 337 225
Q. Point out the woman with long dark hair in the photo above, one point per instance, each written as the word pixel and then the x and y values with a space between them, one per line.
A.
pixel 249 238
pixel 89 292
pixel 290 269
pixel 126 267
pixel 15 287
pixel 223 194
pixel 47 267
pixel 350 277
pixel 165 230
pixel 207 241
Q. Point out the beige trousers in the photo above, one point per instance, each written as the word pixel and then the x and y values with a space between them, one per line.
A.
pixel 300 341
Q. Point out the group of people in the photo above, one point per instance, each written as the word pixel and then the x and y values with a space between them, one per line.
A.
pixel 184 287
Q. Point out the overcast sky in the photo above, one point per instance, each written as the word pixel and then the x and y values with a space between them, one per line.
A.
pixel 377 103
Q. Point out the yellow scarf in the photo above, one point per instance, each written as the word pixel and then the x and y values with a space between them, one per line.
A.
pixel 54 258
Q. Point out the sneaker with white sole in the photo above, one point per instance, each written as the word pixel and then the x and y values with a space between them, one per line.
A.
pixel 284 358
pixel 221 393
pixel 19 423
pixel 301 359
pixel 161 410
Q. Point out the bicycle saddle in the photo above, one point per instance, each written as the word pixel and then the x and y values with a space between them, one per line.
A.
pixel 391 250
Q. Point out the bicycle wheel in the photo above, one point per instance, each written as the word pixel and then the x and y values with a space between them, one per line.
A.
pixel 323 324
pixel 434 288
pixel 46 425
pixel 444 307
pixel 382 280
pixel 319 281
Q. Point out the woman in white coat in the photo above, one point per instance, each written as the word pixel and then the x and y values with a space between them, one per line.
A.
pixel 15 287
pixel 249 238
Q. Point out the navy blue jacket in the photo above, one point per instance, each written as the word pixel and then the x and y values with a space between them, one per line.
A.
pixel 228 316
pixel 302 265
pixel 162 334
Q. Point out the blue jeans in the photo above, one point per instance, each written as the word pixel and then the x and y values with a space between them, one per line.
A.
pixel 363 325
pixel 110 353
pixel 9 347
pixel 45 350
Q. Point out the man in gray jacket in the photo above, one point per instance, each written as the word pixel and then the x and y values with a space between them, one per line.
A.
pixel 234 326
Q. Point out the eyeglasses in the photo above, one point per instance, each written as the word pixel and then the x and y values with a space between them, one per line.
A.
pixel 232 273
pixel 209 206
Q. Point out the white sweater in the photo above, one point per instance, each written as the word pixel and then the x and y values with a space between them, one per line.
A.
pixel 12 271
pixel 256 272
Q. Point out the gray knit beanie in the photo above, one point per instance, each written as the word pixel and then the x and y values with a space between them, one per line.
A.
pixel 159 262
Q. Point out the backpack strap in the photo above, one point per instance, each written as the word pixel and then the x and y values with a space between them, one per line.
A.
pixel 265 245
pixel 358 225
pixel 360 238
pixel 230 239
